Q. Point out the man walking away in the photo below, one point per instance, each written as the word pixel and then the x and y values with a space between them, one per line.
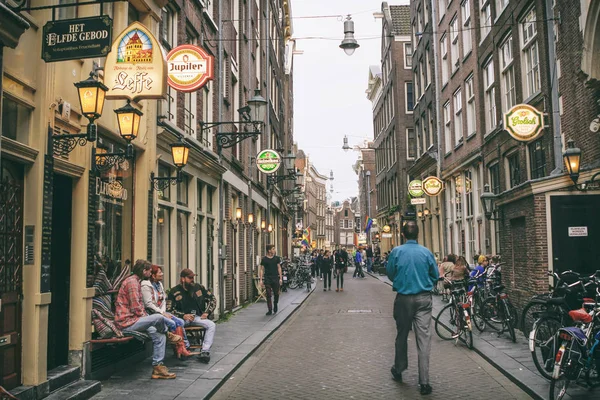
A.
pixel 269 274
pixel 413 270
pixel 358 265
pixel 369 259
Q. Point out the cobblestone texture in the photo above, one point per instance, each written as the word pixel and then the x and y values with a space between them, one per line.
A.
pixel 325 352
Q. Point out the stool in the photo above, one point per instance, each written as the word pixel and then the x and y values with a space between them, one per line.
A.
pixel 262 292
pixel 195 335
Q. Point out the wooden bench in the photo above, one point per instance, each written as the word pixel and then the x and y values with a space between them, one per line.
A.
pixel 195 335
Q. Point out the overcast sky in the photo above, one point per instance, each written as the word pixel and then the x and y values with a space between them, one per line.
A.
pixel 329 86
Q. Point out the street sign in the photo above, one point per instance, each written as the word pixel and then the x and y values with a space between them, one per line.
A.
pixel 524 122
pixel 135 68
pixel 74 39
pixel 415 188
pixel 432 186
pixel 387 229
pixel 386 235
pixel 189 67
pixel 268 161
pixel 418 200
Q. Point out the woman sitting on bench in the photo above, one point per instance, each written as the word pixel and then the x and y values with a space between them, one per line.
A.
pixel 155 301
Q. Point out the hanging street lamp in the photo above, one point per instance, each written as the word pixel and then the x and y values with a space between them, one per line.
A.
pixel 349 44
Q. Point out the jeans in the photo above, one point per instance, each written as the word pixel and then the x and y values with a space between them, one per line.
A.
pixel 155 326
pixel 369 264
pixel 209 334
pixel 327 279
pixel 339 278
pixel 358 270
pixel 272 287
pixel 173 323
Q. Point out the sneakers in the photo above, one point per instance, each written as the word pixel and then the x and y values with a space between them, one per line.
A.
pixel 269 312
pixel 397 376
pixel 341 289
pixel 426 389
pixel 162 372
pixel 274 308
pixel 204 357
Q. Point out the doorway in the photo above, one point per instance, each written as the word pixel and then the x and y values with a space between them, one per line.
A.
pixel 11 272
pixel 60 273
pixel 576 233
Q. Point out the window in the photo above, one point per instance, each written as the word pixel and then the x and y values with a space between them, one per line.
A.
pixel 514 169
pixel 466 33
pixel 419 138
pixel 345 213
pixel 181 258
pixel 537 159
pixel 162 238
pixel 207 113
pixel 411 144
pixel 458 187
pixel 350 224
pixel 485 18
pixel 408 55
pixel 490 96
pixel 209 198
pixel 168 28
pixel 425 132
pixel 458 125
pixel 444 50
pixel 341 223
pixel 469 193
pixel 495 178
pixel 164 171
pixel 431 124
pixel 500 6
pixel 189 114
pixel 346 223
pixel 427 68
pixel 447 129
pixel 509 96
pixel 15 120
pixel 410 103
pixel 470 106
pixel 68 12
pixel 530 54
pixel 442 8
pixel 455 53
pixel 200 195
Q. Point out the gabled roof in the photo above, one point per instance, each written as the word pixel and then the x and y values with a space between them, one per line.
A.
pixel 374 70
pixel 400 20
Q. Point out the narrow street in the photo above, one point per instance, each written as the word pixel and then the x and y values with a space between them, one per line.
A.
pixel 341 346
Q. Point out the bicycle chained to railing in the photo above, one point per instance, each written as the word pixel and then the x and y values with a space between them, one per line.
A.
pixel 454 320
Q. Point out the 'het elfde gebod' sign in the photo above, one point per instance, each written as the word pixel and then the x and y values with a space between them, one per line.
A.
pixel 135 68
pixel 74 39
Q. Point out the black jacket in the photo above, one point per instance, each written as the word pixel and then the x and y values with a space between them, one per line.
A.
pixel 181 302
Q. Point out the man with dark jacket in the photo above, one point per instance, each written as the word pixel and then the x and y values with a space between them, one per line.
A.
pixel 194 304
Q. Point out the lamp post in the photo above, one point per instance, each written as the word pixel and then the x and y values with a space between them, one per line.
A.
pixel 488 202
pixel 180 152
pixel 572 159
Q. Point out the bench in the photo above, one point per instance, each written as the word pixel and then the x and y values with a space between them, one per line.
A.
pixel 195 335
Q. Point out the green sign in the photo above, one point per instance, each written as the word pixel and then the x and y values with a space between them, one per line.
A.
pixel 415 188
pixel 268 161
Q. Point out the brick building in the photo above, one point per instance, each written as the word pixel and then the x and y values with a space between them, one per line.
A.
pixel 345 221
pixel 365 170
pixel 315 200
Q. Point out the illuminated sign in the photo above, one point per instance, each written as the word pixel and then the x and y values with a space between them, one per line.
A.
pixel 415 188
pixel 189 67
pixel 432 185
pixel 524 122
pixel 268 161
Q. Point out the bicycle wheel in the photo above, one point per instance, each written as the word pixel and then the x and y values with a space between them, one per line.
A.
pixel 558 387
pixel 491 314
pixel 508 320
pixel 543 345
pixel 530 315
pixel 294 283
pixel 466 332
pixel 477 315
pixel 445 322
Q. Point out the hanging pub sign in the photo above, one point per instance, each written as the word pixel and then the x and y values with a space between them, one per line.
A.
pixel 524 122
pixel 415 188
pixel 74 39
pixel 268 161
pixel 189 67
pixel 135 68
pixel 432 185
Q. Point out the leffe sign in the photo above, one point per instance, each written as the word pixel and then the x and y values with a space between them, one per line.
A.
pixel 74 39
pixel 135 68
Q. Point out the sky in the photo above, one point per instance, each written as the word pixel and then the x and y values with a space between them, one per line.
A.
pixel 329 86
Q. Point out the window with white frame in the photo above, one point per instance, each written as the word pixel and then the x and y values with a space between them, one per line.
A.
pixel 513 166
pixel 485 18
pixel 424 126
pixel 531 63
pixel 458 124
pixel 207 113
pixel 168 28
pixel 431 124
pixel 490 96
pixel 419 138
pixel 410 102
pixel 466 30
pixel 408 55
pixel 509 95
pixel 471 119
pixel 454 51
pixel 500 6
pixel 423 65
pixel 427 68
pixel 447 128
pixel 445 61
pixel 442 8
pixel 411 143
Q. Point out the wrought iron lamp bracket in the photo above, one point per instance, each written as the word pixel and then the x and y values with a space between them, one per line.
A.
pixel 162 183
pixel 589 184
pixel 62 145
pixel 105 161
pixel 274 180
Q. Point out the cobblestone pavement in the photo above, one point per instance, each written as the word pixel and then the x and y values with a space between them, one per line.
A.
pixel 341 346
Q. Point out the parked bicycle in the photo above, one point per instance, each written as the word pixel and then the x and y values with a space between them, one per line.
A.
pixel 497 310
pixel 454 320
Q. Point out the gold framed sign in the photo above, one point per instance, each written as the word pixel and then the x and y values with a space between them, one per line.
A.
pixel 524 122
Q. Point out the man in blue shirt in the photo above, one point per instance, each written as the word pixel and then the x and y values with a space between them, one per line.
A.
pixel 413 270
pixel 358 265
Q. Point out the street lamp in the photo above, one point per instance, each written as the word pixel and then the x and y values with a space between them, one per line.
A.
pixel 180 152
pixel 270 228
pixel 349 44
pixel 572 157
pixel 346 147
pixel 258 107
pixel 488 201
pixel 250 219
pixel 263 225
pixel 238 214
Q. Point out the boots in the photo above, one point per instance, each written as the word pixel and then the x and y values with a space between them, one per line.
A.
pixel 172 338
pixel 180 350
pixel 161 372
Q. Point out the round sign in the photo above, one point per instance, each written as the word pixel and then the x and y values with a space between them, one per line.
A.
pixel 432 185
pixel 386 228
pixel 189 68
pixel 524 122
pixel 415 188
pixel 268 161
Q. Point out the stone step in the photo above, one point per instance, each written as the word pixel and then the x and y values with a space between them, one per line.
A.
pixel 80 390
pixel 62 376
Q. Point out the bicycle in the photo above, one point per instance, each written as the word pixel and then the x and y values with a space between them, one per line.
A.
pixel 499 313
pixel 456 314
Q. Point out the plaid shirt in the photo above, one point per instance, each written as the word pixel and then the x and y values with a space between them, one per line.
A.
pixel 129 306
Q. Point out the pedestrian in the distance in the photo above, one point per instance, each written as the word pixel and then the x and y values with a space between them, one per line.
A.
pixel 358 260
pixel 341 266
pixel 326 267
pixel 319 261
pixel 269 275
pixel 413 270
pixel 369 259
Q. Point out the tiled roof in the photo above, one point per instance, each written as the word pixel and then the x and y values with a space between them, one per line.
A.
pixel 400 20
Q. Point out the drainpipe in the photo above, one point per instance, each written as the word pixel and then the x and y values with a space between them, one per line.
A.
pixel 436 66
pixel 557 142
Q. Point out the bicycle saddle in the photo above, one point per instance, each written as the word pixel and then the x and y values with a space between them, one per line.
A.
pixel 580 316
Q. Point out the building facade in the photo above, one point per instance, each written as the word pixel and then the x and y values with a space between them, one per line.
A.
pixel 82 219
pixel 345 222
pixel 366 172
